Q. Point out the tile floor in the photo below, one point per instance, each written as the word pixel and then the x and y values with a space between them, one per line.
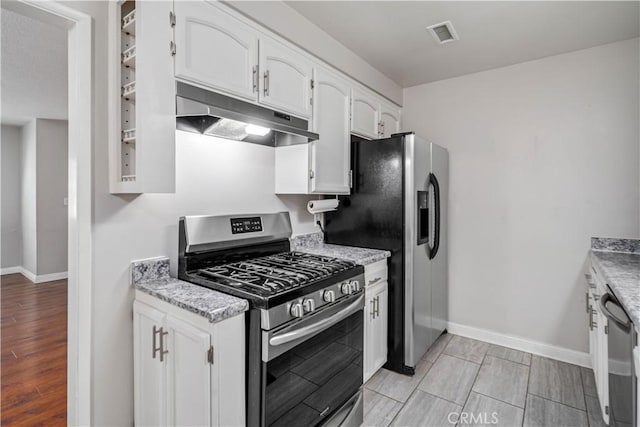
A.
pixel 489 384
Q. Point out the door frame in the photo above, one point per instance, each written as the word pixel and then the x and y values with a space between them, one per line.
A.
pixel 80 152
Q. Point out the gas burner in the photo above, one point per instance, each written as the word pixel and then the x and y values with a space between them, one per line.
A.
pixel 274 274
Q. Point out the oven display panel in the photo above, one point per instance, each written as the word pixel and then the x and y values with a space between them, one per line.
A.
pixel 246 225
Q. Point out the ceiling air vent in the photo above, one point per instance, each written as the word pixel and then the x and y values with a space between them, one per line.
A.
pixel 443 32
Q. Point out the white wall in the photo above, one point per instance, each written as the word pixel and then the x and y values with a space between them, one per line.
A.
pixel 543 156
pixel 28 197
pixel 43 176
pixel 52 183
pixel 11 232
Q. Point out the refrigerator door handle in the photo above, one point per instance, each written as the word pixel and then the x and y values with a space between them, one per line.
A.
pixel 433 181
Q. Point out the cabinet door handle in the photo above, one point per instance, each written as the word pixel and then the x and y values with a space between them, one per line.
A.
pixel 266 83
pixel 377 309
pixel 163 333
pixel 373 308
pixel 586 298
pixel 592 323
pixel 255 78
pixel 376 280
pixel 155 347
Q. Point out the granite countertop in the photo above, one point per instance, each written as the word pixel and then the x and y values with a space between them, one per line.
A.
pixel 619 262
pixel 313 244
pixel 151 276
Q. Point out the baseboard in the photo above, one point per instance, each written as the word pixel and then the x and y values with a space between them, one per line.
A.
pixel 28 274
pixel 535 347
pixel 51 277
pixel 32 276
pixel 10 270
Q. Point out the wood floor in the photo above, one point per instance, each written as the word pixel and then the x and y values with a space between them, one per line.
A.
pixel 34 352
pixel 497 385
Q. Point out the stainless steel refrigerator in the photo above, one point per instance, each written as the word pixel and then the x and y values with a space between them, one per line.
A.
pixel 398 202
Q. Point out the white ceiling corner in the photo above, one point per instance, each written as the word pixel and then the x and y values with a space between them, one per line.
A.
pixel 33 69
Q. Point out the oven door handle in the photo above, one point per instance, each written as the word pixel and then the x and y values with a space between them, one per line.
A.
pixel 318 326
pixel 622 324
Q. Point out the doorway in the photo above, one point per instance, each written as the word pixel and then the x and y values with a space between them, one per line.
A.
pixel 69 333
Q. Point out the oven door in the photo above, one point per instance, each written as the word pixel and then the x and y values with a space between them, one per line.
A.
pixel 312 369
pixel 620 345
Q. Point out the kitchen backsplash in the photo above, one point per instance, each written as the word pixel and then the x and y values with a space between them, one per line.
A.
pixel 307 241
pixel 615 245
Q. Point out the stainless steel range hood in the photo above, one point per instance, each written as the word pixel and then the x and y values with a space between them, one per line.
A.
pixel 209 113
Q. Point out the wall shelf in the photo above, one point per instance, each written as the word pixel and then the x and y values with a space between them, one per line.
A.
pixel 129 23
pixel 129 91
pixel 129 57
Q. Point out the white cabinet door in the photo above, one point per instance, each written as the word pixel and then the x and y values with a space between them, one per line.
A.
pixel 364 115
pixel 330 155
pixel 375 340
pixel 215 49
pixel 369 326
pixel 149 372
pixel 155 99
pixel 379 355
pixel 389 120
pixel 602 374
pixel 189 377
pixel 285 80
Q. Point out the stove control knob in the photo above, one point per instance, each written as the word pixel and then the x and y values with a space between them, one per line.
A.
pixel 346 289
pixel 296 310
pixel 355 285
pixel 308 305
pixel 329 296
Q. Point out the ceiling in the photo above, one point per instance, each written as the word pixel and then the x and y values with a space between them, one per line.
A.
pixel 34 69
pixel 391 35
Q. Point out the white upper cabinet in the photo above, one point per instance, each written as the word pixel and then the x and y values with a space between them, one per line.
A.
pixel 372 117
pixel 215 49
pixel 365 119
pixel 330 155
pixel 322 166
pixel 389 120
pixel 285 78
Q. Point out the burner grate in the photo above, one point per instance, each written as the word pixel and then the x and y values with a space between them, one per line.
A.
pixel 276 273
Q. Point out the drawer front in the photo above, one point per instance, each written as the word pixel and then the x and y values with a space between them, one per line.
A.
pixel 375 273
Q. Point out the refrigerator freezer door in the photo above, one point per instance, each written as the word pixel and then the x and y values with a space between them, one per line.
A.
pixel 418 336
pixel 372 217
pixel 439 271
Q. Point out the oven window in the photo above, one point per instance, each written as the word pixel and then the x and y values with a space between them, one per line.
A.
pixel 308 383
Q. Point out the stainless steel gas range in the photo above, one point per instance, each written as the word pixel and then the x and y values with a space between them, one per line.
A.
pixel 305 323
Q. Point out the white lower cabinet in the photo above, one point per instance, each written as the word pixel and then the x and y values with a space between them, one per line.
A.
pixel 636 367
pixel 598 346
pixel 375 318
pixel 182 363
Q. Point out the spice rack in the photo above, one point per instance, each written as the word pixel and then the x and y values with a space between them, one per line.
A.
pixel 141 97
pixel 128 91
